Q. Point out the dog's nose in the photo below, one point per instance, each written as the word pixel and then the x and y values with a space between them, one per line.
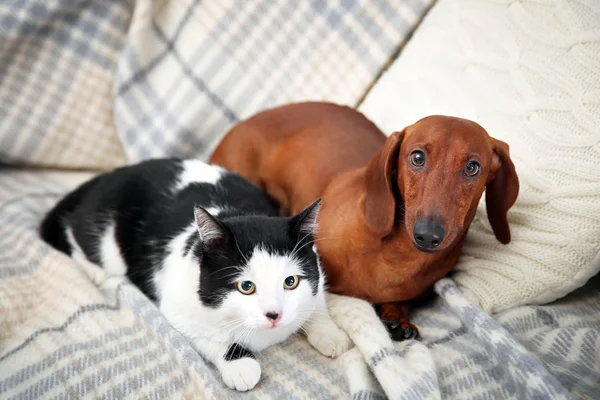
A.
pixel 428 234
pixel 272 315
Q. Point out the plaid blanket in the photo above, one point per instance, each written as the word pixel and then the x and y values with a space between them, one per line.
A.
pixel 62 336
pixel 98 84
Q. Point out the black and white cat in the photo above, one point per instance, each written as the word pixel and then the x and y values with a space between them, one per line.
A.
pixel 208 247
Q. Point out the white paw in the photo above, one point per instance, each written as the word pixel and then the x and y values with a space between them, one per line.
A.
pixel 330 340
pixel 242 374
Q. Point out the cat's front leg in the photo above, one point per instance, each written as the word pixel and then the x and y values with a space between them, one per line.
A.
pixel 324 335
pixel 237 365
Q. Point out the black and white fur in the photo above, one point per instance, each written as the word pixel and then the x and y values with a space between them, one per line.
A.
pixel 186 233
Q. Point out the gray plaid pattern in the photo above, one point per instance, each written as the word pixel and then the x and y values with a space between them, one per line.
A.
pixel 56 63
pixel 112 342
pixel 210 64
pixel 186 71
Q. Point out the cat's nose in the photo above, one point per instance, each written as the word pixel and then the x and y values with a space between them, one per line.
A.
pixel 272 315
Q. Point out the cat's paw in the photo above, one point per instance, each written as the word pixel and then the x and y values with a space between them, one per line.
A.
pixel 329 340
pixel 241 374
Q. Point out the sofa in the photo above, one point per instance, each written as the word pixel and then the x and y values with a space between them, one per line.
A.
pixel 90 86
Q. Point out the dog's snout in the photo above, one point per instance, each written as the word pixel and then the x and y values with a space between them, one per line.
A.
pixel 428 234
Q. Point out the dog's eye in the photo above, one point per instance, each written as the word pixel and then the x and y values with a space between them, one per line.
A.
pixel 472 168
pixel 417 158
pixel 246 287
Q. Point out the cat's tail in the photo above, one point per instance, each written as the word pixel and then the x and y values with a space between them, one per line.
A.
pixel 53 228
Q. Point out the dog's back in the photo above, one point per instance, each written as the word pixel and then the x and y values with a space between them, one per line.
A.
pixel 308 144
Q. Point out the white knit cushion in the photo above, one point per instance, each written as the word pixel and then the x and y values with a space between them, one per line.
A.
pixel 529 73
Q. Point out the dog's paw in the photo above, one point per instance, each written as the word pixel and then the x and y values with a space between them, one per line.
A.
pixel 242 374
pixel 329 339
pixel 400 330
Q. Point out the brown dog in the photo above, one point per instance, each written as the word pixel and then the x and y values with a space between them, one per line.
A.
pixel 395 210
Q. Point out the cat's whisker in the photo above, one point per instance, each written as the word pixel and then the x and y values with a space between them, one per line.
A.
pixel 233 325
pixel 251 335
pixel 312 242
pixel 224 269
pixel 225 335
pixel 327 238
pixel 229 276
pixel 244 339
pixel 230 334
pixel 312 313
pixel 317 240
pixel 298 242
pixel 238 247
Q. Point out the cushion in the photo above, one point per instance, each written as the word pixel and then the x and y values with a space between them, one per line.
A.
pixel 528 72
pixel 194 69
pixel 56 63
pixel 119 82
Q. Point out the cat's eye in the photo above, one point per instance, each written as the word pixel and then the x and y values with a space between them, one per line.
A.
pixel 291 282
pixel 246 287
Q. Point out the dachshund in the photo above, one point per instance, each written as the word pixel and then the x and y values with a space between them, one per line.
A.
pixel 396 210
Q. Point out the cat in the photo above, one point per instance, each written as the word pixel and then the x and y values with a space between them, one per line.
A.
pixel 210 250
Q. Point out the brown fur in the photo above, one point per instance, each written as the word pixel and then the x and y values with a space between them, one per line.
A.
pixel 371 195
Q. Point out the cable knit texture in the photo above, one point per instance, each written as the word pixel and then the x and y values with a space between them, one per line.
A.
pixel 528 72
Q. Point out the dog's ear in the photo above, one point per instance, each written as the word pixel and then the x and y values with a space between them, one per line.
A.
pixel 501 190
pixel 379 202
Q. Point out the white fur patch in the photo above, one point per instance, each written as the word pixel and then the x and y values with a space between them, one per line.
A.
pixel 110 253
pixel 196 171
pixel 242 374
pixel 176 270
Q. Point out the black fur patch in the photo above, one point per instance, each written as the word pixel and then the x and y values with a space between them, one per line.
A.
pixel 237 351
pixel 52 229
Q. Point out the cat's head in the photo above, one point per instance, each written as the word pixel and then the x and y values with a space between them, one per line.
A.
pixel 259 272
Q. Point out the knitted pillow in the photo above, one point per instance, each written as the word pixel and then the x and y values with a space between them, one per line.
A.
pixel 528 72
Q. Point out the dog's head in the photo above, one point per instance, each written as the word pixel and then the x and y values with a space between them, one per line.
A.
pixel 430 177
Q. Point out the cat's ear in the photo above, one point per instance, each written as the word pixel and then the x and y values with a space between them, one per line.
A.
pixel 305 222
pixel 210 230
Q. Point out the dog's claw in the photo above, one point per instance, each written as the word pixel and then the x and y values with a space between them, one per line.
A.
pixel 411 332
pixel 400 331
pixel 390 324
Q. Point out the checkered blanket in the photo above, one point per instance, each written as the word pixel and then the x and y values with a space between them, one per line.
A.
pixel 94 85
